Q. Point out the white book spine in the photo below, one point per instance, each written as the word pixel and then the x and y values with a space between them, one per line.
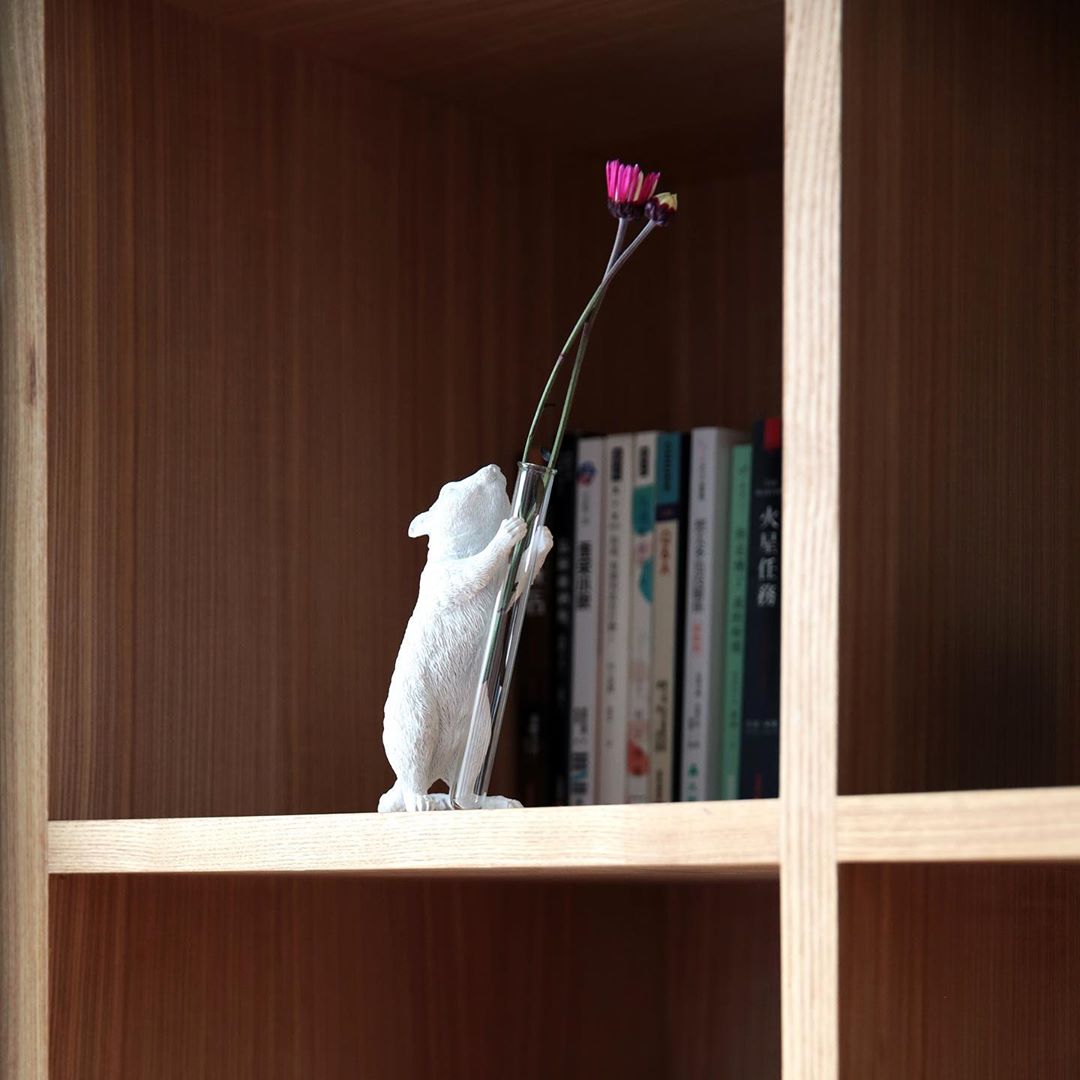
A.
pixel 587 589
pixel 639 704
pixel 615 611
pixel 703 675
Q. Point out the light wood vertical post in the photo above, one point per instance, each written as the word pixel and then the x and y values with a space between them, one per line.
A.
pixel 23 554
pixel 808 869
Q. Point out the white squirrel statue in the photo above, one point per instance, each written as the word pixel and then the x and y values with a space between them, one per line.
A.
pixel 428 707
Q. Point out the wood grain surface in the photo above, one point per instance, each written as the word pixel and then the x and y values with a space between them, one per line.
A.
pixel 277 324
pixel 696 840
pixel 1037 824
pixel 960 458
pixel 24 686
pixel 263 978
pixel 810 520
pixel 698 81
pixel 289 302
pixel 691 839
pixel 960 972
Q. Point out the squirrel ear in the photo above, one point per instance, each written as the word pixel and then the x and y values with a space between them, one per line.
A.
pixel 418 526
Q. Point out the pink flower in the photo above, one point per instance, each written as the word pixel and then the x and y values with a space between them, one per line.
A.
pixel 629 188
pixel 662 208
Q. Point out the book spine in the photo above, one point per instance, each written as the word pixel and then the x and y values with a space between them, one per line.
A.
pixel 587 589
pixel 698 645
pixel 534 696
pixel 681 591
pixel 666 575
pixel 728 441
pixel 561 558
pixel 615 606
pixel 639 693
pixel 759 768
pixel 704 648
pixel 735 617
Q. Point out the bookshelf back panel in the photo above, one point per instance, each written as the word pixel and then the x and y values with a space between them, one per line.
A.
pixel 249 977
pixel 960 972
pixel 701 79
pixel 960 597
pixel 287 302
pixel 276 328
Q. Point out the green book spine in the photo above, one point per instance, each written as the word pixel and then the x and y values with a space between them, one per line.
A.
pixel 735 619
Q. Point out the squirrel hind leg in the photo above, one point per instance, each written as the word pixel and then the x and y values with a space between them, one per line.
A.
pixel 399 798
pixel 392 801
pixel 419 802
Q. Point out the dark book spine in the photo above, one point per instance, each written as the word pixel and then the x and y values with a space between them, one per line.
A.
pixel 561 561
pixel 759 772
pixel 680 614
pixel 533 678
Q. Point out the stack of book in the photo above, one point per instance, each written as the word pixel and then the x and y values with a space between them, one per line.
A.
pixel 650 661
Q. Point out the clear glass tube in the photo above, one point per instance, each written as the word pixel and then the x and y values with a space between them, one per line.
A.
pixel 532 492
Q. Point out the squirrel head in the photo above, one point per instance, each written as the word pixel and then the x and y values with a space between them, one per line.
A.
pixel 465 516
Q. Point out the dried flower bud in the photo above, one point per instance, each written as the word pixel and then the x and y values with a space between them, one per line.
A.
pixel 662 208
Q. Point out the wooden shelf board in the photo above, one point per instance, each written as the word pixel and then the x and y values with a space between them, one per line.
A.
pixel 1029 824
pixel 682 839
pixel 702 839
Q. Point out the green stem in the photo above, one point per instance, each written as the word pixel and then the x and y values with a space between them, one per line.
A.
pixel 620 235
pixel 616 262
pixel 585 325
pixel 616 248
pixel 598 297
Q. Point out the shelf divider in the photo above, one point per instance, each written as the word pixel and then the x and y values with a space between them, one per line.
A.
pixel 24 668
pixel 809 928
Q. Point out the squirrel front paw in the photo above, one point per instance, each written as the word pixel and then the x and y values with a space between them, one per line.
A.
pixel 511 531
pixel 546 545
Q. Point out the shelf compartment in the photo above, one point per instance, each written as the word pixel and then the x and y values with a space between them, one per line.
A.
pixel 1034 824
pixel 671 840
pixel 959 599
pixel 249 976
pixel 959 971
pixel 257 378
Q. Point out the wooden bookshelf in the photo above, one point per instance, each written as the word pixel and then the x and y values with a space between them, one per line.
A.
pixel 273 273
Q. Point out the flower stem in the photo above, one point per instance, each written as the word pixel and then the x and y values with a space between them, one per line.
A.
pixel 616 261
pixel 584 324
pixel 594 304
pixel 620 235
pixel 616 248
